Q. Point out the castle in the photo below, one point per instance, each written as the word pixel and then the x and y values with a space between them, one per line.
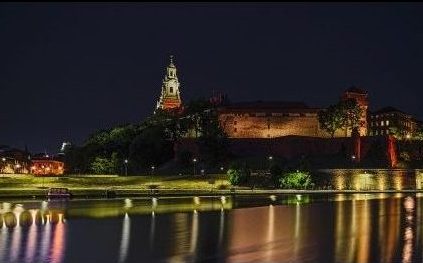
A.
pixel 269 119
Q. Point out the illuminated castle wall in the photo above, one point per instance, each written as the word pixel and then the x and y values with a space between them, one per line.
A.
pixel 269 120
pixel 277 119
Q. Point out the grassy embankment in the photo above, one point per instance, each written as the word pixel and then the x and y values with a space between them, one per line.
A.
pixel 28 185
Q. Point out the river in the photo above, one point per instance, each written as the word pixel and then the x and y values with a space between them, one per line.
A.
pixel 277 228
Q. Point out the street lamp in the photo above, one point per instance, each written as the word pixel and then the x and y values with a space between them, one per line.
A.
pixel 152 169
pixel 270 158
pixel 126 167
pixel 194 161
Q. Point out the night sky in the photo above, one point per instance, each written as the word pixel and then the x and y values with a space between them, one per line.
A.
pixel 67 70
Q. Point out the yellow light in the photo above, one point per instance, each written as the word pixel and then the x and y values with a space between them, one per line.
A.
pixel 197 200
pixel 223 199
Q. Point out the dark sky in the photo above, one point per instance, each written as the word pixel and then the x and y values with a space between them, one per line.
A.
pixel 67 70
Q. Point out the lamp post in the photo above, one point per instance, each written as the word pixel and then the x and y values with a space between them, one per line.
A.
pixel 194 162
pixel 4 164
pixel 126 167
pixel 270 158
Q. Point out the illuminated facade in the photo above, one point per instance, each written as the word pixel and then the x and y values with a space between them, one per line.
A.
pixel 47 167
pixel 170 97
pixel 269 120
pixel 391 120
pixel 14 161
pixel 276 119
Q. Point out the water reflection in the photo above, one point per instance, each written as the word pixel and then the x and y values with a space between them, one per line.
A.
pixel 126 235
pixel 20 230
pixel 291 228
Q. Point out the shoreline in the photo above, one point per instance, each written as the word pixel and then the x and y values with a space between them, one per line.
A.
pixel 121 193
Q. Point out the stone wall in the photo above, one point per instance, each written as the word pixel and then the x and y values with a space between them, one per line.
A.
pixel 258 125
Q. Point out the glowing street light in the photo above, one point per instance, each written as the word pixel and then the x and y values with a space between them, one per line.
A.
pixel 270 158
pixel 126 167
pixel 194 161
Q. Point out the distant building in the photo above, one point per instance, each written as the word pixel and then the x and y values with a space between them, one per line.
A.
pixel 14 161
pixel 46 166
pixel 170 97
pixel 390 120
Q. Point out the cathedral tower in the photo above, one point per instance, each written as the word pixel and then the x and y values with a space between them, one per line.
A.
pixel 170 97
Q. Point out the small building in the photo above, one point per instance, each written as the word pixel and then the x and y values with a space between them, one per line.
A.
pixel 47 166
pixel 390 120
pixel 14 161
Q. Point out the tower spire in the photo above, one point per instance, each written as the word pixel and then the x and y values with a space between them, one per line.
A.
pixel 170 96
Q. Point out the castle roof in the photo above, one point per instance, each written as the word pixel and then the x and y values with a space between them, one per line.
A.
pixel 266 106
pixel 388 109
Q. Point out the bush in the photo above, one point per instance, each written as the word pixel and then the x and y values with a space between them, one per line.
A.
pixel 296 180
pixel 238 174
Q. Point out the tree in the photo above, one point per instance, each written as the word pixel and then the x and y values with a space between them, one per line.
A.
pixel 345 114
pixel 102 165
pixel 351 114
pixel 331 119
pixel 238 174
pixel 296 180
pixel 151 147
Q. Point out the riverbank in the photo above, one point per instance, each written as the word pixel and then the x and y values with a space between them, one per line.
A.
pixel 94 186
pixel 101 193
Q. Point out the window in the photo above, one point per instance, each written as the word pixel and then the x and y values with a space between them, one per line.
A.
pixel 171 90
pixel 387 123
pixel 387 131
pixel 381 132
pixel 235 130
pixel 235 122
pixel 381 123
pixel 376 132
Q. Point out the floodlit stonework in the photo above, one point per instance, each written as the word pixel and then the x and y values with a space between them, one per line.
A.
pixel 276 119
pixel 170 97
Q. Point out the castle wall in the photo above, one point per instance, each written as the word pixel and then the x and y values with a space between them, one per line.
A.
pixel 258 125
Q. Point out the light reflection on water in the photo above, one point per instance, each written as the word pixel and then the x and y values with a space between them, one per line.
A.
pixel 346 228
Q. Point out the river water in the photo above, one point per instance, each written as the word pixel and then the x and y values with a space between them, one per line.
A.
pixel 276 228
